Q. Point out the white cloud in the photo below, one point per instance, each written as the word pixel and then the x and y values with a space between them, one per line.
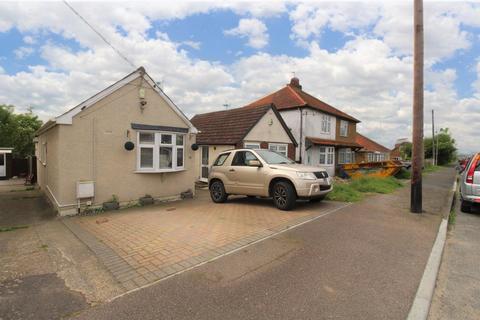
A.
pixel 29 40
pixel 23 52
pixel 369 77
pixel 192 44
pixel 252 29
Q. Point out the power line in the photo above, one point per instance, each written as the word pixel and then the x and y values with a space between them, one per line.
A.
pixel 99 34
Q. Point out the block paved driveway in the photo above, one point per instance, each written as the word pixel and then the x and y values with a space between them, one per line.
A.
pixel 142 245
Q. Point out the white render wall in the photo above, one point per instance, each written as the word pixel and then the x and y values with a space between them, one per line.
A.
pixel 312 158
pixel 311 128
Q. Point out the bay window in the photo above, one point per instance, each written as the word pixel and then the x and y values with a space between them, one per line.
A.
pixel 160 152
pixel 346 155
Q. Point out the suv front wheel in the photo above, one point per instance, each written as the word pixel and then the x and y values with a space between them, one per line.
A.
pixel 217 192
pixel 284 195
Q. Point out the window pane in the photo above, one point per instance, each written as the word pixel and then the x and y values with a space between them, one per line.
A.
pixel 2 159
pixel 166 139
pixel 147 138
pixel 180 157
pixel 322 158
pixel 165 159
pixel 146 157
pixel 221 159
pixel 330 158
pixel 179 140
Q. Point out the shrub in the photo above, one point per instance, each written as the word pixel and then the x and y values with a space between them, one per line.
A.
pixel 403 174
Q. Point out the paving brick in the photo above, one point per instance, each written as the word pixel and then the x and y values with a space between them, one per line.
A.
pixel 155 242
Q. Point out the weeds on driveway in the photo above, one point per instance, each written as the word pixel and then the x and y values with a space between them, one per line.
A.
pixel 6 229
pixel 356 189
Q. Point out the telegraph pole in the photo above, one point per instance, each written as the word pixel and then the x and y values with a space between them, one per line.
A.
pixel 417 138
pixel 433 137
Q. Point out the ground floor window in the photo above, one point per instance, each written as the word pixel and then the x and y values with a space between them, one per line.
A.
pixel 346 155
pixel 160 151
pixel 279 148
pixel 376 157
pixel 326 155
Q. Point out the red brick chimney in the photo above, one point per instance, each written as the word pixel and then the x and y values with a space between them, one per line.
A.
pixel 295 82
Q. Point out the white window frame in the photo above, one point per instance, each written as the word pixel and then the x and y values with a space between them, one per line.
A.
pixel 276 146
pixel 251 145
pixel 370 157
pixel 343 128
pixel 326 123
pixel 346 155
pixel 156 151
pixel 328 154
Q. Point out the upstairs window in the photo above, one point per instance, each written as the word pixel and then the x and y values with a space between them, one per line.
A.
pixel 343 128
pixel 160 152
pixel 326 123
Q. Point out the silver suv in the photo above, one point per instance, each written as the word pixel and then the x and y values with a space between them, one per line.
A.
pixel 266 174
pixel 470 183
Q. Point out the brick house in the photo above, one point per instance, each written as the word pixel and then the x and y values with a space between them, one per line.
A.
pixel 325 134
pixel 371 151
pixel 259 128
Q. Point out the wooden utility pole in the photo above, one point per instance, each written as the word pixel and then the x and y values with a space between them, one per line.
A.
pixel 417 138
pixel 433 137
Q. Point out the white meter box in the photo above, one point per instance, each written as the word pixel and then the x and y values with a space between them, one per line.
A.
pixel 85 189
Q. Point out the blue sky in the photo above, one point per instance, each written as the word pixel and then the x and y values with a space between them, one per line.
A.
pixel 209 54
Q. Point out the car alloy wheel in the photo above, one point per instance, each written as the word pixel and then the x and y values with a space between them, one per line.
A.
pixel 217 191
pixel 280 195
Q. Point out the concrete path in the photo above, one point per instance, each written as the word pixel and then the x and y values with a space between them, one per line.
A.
pixel 45 271
pixel 458 285
pixel 361 262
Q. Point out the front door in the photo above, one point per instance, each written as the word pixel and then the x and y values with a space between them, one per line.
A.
pixel 204 164
pixel 3 165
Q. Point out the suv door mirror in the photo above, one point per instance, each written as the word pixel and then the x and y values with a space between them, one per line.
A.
pixel 254 163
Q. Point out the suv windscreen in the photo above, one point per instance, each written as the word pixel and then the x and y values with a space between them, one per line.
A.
pixel 271 157
pixel 221 159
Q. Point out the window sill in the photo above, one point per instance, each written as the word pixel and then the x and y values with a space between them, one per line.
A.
pixel 160 171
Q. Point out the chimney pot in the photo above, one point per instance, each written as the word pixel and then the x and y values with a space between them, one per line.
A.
pixel 295 82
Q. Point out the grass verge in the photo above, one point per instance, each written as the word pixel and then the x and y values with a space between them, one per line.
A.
pixel 356 189
pixel 430 168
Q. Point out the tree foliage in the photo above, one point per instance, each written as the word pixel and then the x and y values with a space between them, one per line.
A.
pixel 447 150
pixel 18 130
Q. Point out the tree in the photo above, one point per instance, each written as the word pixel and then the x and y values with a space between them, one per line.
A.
pixel 18 130
pixel 447 151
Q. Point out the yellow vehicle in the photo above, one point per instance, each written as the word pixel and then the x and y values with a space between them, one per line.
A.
pixel 377 169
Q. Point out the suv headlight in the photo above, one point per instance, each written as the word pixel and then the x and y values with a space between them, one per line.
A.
pixel 306 175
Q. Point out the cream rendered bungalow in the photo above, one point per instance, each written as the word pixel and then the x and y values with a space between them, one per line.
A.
pixel 125 142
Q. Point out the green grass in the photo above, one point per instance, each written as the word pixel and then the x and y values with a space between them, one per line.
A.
pixel 430 168
pixel 403 174
pixel 375 184
pixel 345 193
pixel 356 189
pixel 6 229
